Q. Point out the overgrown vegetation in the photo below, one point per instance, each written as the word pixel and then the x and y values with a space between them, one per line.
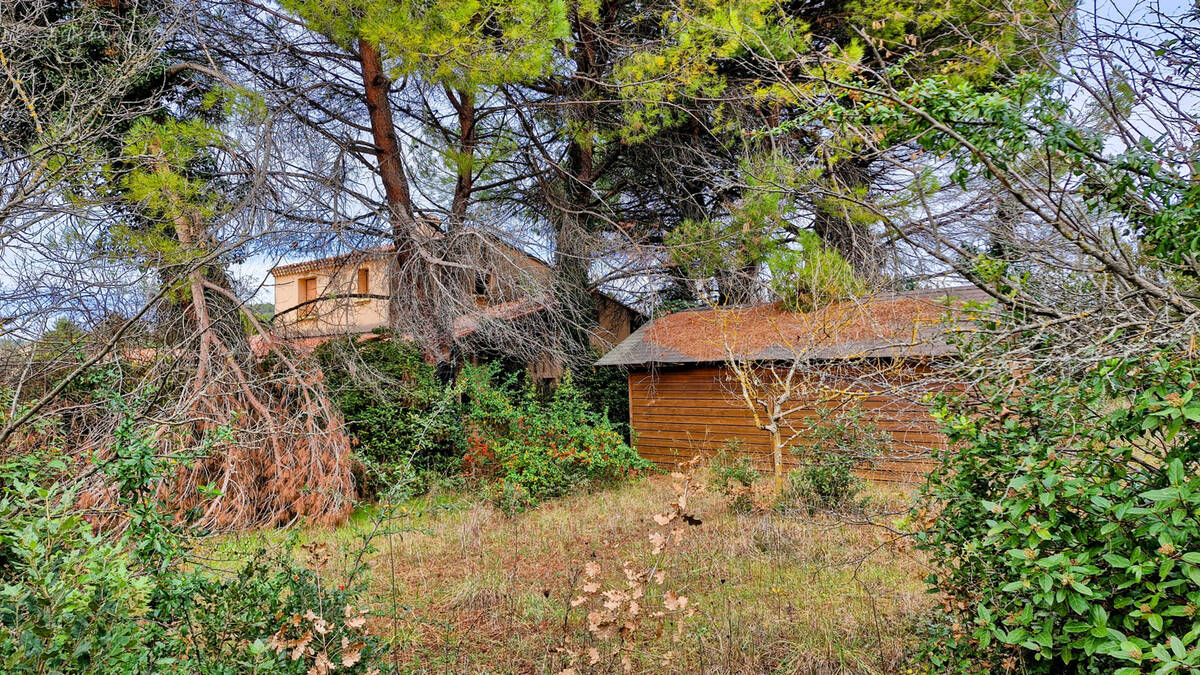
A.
pixel 679 154
pixel 1063 521
pixel 606 391
pixel 490 426
pixel 844 440
pixel 83 600
pixel 405 423
pixel 529 450
pixel 734 476
pixel 479 591
pixel 837 444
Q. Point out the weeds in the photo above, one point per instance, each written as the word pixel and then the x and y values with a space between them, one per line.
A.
pixel 640 601
pixel 734 475
pixel 827 482
pixel 447 584
pixel 138 598
pixel 838 444
pixel 476 591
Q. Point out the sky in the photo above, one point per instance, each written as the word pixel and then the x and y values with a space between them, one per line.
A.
pixel 255 274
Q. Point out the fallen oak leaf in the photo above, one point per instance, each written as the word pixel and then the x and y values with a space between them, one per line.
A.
pixel 658 541
pixel 321 666
pixel 351 653
pixel 674 602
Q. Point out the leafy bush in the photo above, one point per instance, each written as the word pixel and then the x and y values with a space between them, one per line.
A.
pixel 411 428
pixel 606 391
pixel 734 476
pixel 78 600
pixel 1066 534
pixel 403 420
pixel 273 615
pixel 838 444
pixel 823 482
pixel 72 603
pixel 529 451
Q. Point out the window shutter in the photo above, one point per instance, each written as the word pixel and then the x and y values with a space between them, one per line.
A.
pixel 308 291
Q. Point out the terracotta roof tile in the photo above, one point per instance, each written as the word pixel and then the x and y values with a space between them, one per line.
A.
pixel 332 261
pixel 504 311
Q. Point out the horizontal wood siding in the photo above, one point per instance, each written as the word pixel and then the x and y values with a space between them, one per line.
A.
pixel 677 414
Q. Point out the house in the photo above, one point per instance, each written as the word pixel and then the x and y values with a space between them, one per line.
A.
pixel 316 300
pixel 692 376
pixel 312 297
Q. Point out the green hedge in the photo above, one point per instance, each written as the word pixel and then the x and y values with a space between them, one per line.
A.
pixel 402 419
pixel 1065 522
pixel 490 424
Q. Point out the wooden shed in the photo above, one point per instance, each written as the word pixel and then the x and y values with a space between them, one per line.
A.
pixel 699 379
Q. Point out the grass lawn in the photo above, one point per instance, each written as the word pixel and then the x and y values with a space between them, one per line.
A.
pixel 464 588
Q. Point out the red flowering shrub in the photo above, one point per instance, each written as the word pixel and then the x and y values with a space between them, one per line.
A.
pixel 536 449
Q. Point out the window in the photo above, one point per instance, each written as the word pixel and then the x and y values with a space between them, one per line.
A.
pixel 482 281
pixel 308 291
pixel 364 281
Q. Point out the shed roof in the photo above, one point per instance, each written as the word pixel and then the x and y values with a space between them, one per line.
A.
pixel 910 323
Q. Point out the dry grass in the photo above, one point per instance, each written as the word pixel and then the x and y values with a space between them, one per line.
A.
pixel 475 591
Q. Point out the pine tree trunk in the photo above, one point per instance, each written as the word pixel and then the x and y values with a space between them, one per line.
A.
pixel 405 230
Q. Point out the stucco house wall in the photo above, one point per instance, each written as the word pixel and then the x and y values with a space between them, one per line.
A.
pixel 336 315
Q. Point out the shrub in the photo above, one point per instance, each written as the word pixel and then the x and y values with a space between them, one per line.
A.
pixel 839 443
pixel 529 450
pixel 410 428
pixel 734 476
pixel 606 391
pixel 403 421
pixel 1066 536
pixel 823 482
pixel 72 602
pixel 272 615
pixel 626 608
pixel 78 600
